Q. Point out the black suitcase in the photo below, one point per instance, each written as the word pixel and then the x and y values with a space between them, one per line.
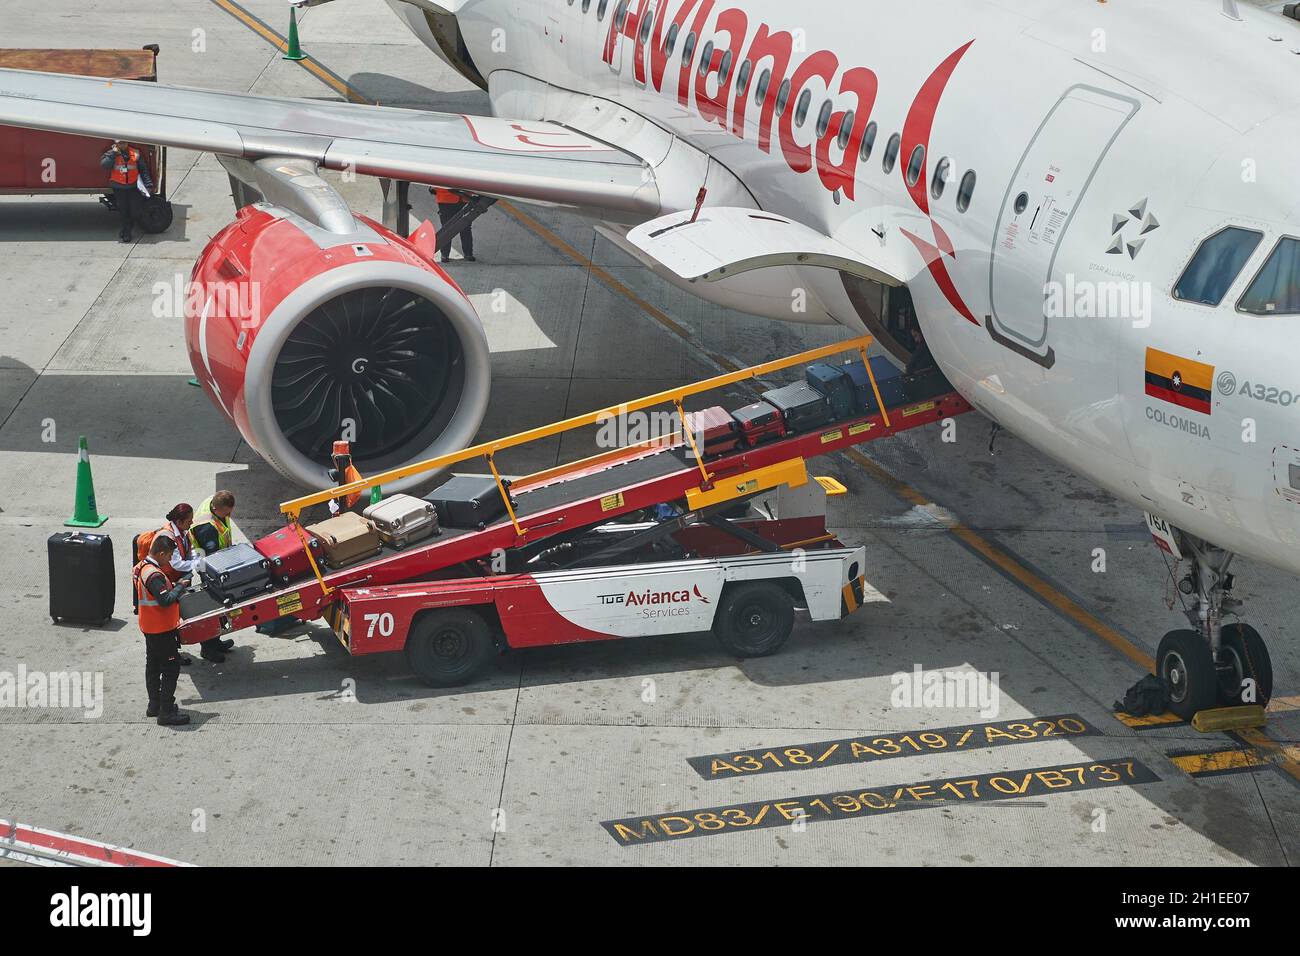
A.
pixel 237 573
pixel 467 501
pixel 923 386
pixel 835 383
pixel 82 585
pixel 801 405
pixel 889 379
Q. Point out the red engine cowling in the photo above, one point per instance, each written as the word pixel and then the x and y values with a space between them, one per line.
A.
pixel 301 336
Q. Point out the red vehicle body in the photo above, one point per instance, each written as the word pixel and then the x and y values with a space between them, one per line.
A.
pixel 33 162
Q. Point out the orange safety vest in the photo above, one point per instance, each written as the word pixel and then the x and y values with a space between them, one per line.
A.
pixel 154 618
pixel 125 173
pixel 446 196
pixel 350 474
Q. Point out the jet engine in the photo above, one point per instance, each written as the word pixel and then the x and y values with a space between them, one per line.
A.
pixel 301 336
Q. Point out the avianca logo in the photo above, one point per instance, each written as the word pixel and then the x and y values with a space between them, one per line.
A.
pixel 645 598
pixel 728 104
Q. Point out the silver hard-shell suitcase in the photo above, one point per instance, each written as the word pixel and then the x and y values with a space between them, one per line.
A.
pixel 403 519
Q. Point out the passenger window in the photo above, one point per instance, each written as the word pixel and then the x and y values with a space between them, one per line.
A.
pixel 824 118
pixel 586 5
pixel 891 152
pixel 801 111
pixel 1276 290
pixel 966 192
pixel 846 128
pixel 869 141
pixel 782 98
pixel 688 48
pixel 620 17
pixel 915 165
pixel 670 41
pixel 760 91
pixel 940 180
pixel 1216 265
pixel 742 78
pixel 601 8
pixel 647 25
pixel 724 70
pixel 706 58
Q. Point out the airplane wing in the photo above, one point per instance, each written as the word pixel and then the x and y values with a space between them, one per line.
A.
pixel 528 160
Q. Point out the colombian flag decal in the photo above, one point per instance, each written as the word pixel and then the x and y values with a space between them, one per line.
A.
pixel 1179 381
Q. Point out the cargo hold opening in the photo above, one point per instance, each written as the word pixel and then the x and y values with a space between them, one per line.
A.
pixel 890 316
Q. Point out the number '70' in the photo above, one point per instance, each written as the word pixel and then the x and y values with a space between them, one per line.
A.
pixel 384 622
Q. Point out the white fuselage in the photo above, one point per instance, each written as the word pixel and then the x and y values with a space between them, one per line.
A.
pixel 1166 115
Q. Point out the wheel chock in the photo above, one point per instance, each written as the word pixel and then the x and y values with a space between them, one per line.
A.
pixel 1242 717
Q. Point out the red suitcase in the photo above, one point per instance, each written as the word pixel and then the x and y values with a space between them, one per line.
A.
pixel 714 431
pixel 288 557
pixel 759 422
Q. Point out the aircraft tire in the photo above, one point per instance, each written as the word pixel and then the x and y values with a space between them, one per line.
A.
pixel 1244 649
pixel 1186 665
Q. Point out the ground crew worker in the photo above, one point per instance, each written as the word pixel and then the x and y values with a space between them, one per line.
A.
pixel 160 616
pixel 213 528
pixel 343 473
pixel 449 204
pixel 127 172
pixel 185 561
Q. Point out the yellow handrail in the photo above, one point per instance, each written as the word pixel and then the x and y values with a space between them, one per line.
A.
pixel 489 449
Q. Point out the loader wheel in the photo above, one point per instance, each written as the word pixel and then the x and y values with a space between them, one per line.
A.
pixel 754 619
pixel 155 214
pixel 448 648
pixel 1185 663
pixel 1243 651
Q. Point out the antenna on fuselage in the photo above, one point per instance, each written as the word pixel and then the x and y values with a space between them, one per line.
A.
pixel 1231 11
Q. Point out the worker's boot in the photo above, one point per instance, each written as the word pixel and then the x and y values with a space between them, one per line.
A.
pixel 225 643
pixel 212 651
pixel 172 717
pixel 152 709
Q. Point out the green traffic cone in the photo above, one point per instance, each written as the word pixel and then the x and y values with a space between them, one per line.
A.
pixel 376 495
pixel 84 514
pixel 294 52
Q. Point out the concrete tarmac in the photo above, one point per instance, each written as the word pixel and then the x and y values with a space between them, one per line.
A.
pixel 300 754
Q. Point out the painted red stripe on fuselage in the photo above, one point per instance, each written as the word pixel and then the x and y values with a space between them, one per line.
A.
pixel 1179 399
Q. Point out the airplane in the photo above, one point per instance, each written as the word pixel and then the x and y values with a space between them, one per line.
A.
pixel 1095 236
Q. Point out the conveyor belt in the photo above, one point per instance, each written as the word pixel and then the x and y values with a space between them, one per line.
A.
pixel 566 504
pixel 605 482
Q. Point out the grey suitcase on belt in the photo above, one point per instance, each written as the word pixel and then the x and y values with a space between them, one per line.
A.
pixel 237 573
pixel 403 519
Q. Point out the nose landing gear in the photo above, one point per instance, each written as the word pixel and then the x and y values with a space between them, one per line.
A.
pixel 1216 664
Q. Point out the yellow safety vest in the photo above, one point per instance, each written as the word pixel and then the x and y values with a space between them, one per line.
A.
pixel 225 527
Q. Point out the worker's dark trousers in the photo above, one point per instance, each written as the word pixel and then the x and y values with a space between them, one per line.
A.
pixel 124 199
pixel 445 211
pixel 161 668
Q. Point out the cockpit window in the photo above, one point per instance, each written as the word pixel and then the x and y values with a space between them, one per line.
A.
pixel 1216 265
pixel 1276 290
